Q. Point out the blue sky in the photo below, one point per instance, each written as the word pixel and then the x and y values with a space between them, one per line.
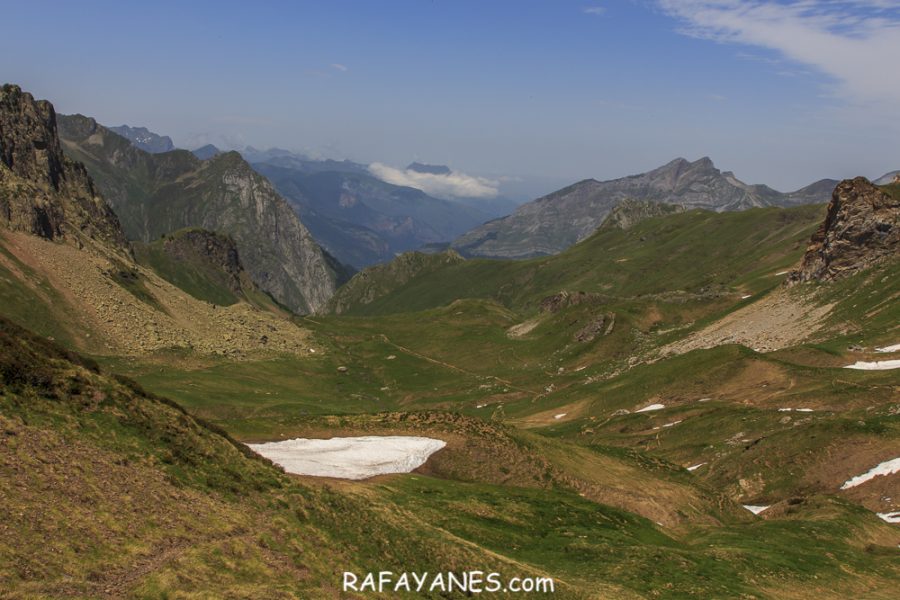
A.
pixel 780 92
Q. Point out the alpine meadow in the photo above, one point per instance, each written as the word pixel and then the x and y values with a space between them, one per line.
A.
pixel 307 300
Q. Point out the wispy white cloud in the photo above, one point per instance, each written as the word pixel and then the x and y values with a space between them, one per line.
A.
pixel 854 42
pixel 340 67
pixel 594 10
pixel 443 185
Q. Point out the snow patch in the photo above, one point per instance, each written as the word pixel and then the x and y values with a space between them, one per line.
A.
pixel 746 296
pixel 651 407
pixel 891 517
pixel 796 409
pixel 878 365
pixel 695 467
pixel 781 273
pixel 350 457
pixel 888 467
pixel 672 424
pixel 559 416
pixel 755 509
pixel 894 348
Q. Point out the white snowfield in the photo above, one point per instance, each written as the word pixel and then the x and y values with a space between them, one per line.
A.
pixel 877 365
pixel 695 467
pixel 890 517
pixel 559 416
pixel 755 509
pixel 894 348
pixel 350 457
pixel 651 407
pixel 888 467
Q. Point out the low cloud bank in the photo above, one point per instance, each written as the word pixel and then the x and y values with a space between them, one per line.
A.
pixel 444 185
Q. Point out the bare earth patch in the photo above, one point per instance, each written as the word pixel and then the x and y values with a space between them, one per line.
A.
pixel 777 321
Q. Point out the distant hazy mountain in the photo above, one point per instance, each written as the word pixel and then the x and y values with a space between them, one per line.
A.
pixel 145 139
pixel 887 178
pixel 359 218
pixel 206 152
pixel 491 208
pixel 554 222
pixel 292 160
pixel 156 194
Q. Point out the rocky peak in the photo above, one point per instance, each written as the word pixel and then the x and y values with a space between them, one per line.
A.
pixel 861 228
pixel 42 192
pixel 30 146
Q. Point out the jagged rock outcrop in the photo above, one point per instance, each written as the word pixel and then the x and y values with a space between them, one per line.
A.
pixel 43 192
pixel 564 299
pixel 861 228
pixel 156 194
pixel 551 224
pixel 603 324
pixel 370 284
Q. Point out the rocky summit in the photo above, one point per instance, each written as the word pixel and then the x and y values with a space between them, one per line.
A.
pixel 862 227
pixel 42 192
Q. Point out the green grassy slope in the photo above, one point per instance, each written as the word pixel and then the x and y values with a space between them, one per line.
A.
pixel 212 520
pixel 692 251
pixel 202 276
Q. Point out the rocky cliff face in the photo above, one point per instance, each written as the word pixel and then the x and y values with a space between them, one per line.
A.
pixel 42 192
pixel 862 227
pixel 550 224
pixel 156 194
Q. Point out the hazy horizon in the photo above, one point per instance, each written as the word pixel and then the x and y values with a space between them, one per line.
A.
pixel 506 93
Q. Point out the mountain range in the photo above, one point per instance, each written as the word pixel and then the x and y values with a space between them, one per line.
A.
pixel 359 218
pixel 688 403
pixel 158 194
pixel 554 222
